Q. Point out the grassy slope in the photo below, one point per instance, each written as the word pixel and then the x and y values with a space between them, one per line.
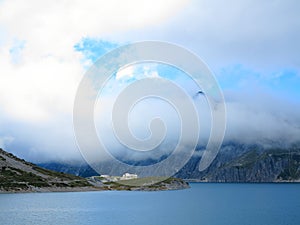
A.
pixel 148 183
pixel 19 175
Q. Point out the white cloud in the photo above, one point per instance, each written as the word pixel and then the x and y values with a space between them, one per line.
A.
pixel 137 71
pixel 39 78
pixel 263 35
pixel 53 27
pixel 260 116
pixel 126 72
pixel 48 69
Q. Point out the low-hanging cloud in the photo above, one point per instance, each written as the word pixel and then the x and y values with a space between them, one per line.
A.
pixel 258 116
pixel 40 69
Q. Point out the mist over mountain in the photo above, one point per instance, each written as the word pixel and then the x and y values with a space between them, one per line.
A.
pixel 253 117
pixel 235 162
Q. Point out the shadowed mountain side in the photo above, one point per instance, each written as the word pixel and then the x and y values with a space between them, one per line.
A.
pixel 247 163
pixel 81 169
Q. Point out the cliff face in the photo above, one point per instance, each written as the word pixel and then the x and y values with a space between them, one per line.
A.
pixel 250 164
pixel 18 175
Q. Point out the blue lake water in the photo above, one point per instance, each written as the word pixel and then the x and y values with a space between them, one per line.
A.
pixel 207 204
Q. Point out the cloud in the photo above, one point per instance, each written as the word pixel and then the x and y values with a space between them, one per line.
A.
pixel 45 48
pixel 260 117
pixel 137 72
pixel 43 58
pixel 261 108
pixel 260 35
pixel 125 73
pixel 48 68
pixel 52 28
pixel 140 116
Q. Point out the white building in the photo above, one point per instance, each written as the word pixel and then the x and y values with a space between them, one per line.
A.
pixel 128 176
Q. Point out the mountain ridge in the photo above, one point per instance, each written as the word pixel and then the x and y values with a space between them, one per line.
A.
pixel 234 163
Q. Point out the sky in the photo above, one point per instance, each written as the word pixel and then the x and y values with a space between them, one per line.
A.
pixel 252 47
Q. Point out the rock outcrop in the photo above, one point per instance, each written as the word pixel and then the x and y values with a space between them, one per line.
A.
pixel 249 164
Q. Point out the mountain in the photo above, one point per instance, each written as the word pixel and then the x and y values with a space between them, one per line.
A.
pixel 247 163
pixel 17 175
pixel 234 163
pixel 81 169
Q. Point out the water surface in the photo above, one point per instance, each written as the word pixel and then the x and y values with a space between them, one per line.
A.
pixel 207 204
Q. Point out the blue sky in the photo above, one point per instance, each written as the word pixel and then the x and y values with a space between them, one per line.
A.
pixel 92 49
pixel 45 48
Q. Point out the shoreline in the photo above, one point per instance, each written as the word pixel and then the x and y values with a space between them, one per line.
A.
pixel 142 189
pixel 242 182
pixel 166 185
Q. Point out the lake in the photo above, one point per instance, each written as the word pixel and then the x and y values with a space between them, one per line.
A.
pixel 203 203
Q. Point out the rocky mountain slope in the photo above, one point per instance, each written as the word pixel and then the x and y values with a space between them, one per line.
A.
pixel 247 164
pixel 18 175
